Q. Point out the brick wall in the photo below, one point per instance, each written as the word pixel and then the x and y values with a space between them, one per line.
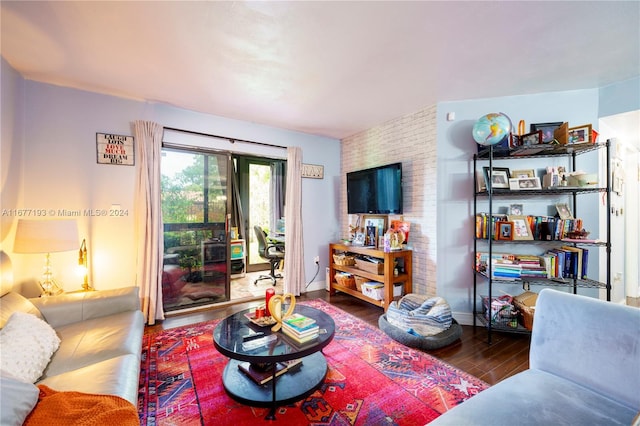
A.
pixel 410 139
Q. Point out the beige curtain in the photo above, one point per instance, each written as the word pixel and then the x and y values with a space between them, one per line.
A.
pixel 148 218
pixel 294 247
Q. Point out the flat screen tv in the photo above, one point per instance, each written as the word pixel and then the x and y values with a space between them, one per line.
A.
pixel 376 191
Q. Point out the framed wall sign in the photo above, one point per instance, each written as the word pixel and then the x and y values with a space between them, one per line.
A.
pixel 115 149
pixel 312 171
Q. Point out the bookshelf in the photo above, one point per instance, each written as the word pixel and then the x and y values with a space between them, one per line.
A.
pixel 492 241
pixel 387 277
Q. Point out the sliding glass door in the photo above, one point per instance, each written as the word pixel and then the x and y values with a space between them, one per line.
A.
pixel 262 187
pixel 194 212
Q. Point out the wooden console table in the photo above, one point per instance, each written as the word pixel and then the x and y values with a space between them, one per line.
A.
pixel 387 278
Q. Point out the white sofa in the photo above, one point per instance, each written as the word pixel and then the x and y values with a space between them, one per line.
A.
pixel 100 338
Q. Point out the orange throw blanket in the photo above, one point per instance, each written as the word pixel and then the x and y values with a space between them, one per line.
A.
pixel 81 409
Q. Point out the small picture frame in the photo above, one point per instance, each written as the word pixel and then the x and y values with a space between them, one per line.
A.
pixel 378 221
pixel 481 185
pixel 514 141
pixel 533 138
pixel 504 231
pixel 516 210
pixel 564 212
pixel 499 178
pixel 521 230
pixel 520 184
pixel 547 129
pixel 580 134
pixel 358 239
pixel 529 173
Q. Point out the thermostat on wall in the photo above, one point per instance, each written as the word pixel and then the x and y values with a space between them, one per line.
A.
pixel 312 171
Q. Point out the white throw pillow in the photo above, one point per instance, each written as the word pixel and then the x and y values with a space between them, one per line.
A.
pixel 27 344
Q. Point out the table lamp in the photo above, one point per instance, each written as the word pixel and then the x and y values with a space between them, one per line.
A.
pixel 83 266
pixel 46 236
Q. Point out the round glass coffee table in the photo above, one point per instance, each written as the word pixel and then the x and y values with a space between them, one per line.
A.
pixel 254 347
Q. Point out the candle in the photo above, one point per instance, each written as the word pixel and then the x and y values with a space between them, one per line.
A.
pixel 268 295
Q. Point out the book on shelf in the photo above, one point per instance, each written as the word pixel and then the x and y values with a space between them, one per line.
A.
pixel 262 376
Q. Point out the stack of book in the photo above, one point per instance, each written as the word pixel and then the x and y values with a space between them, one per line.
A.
pixel 531 267
pixel 300 328
pixel 262 374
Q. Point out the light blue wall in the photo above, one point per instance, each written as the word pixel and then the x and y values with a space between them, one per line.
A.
pixel 620 97
pixel 455 178
pixel 60 170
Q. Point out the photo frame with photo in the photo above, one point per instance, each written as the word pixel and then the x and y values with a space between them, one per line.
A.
pixel 514 141
pixel 504 231
pixel 481 185
pixel 580 134
pixel 521 230
pixel 378 221
pixel 516 209
pixel 528 173
pixel 533 138
pixel 359 239
pixel 499 178
pixel 564 212
pixel 523 184
pixel 547 129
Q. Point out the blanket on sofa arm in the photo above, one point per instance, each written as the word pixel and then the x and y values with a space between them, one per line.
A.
pixel 80 409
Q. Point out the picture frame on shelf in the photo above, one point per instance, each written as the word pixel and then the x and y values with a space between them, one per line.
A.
pixel 358 239
pixel 528 173
pixel 371 236
pixel 504 231
pixel 378 221
pixel 516 210
pixel 580 134
pixel 521 230
pixel 524 184
pixel 547 129
pixel 514 141
pixel 564 212
pixel 533 138
pixel 481 185
pixel 499 177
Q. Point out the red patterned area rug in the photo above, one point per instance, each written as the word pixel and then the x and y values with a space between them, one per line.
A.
pixel 372 380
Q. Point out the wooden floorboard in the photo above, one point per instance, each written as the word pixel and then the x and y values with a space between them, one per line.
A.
pixel 507 355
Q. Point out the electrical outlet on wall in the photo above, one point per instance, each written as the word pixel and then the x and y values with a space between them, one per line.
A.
pixel 316 260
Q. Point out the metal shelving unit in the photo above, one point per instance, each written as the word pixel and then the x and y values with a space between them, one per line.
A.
pixel 490 154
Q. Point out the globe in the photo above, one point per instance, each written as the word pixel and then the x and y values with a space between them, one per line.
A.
pixel 491 128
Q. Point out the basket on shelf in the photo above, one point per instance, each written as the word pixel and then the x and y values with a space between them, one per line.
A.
pixel 344 260
pixel 346 280
pixel 502 311
pixel 359 282
pixel 526 304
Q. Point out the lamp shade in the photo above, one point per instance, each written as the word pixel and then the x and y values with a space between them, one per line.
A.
pixel 46 236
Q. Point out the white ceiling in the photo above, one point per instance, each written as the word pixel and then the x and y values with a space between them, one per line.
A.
pixel 326 68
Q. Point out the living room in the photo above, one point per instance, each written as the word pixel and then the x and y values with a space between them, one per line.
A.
pixel 49 162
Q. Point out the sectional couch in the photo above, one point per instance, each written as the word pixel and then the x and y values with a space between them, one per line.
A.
pixel 96 345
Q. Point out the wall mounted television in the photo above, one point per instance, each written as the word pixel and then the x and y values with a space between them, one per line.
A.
pixel 377 190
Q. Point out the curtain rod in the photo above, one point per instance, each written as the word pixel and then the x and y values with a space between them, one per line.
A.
pixel 232 140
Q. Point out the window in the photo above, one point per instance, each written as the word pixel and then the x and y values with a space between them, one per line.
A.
pixel 194 210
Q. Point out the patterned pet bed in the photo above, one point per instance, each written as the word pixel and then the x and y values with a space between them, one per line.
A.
pixel 420 322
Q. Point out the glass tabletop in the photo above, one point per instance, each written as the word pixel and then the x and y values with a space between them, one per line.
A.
pixel 238 338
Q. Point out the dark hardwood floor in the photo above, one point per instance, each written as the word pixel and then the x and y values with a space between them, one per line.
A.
pixel 507 355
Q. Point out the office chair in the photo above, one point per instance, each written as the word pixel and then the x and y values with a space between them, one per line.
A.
pixel 273 253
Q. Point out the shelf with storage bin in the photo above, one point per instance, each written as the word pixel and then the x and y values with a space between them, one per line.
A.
pixel 382 272
pixel 487 245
